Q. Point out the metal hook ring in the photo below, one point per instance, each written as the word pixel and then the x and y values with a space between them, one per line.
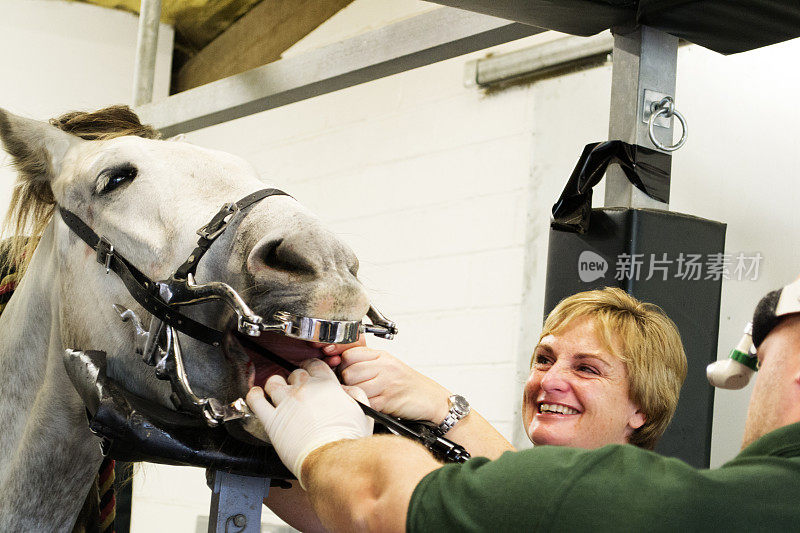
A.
pixel 667 108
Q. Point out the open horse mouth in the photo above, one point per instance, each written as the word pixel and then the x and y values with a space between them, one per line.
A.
pixel 252 367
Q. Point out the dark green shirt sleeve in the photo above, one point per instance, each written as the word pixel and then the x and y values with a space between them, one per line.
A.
pixel 614 488
pixel 516 492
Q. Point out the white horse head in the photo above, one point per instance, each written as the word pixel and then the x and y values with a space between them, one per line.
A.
pixel 148 198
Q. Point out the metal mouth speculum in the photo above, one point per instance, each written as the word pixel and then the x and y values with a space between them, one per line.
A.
pixel 330 331
pixel 160 346
pixel 187 292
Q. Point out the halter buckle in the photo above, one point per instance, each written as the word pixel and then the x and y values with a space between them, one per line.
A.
pixel 105 251
pixel 214 229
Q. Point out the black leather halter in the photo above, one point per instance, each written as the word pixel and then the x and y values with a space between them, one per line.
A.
pixel 160 346
pixel 150 294
pixel 162 299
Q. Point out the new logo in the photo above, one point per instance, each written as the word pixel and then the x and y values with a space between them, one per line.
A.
pixel 591 266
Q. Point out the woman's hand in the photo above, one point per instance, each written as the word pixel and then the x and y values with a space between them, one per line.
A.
pixel 332 352
pixel 392 386
pixel 396 389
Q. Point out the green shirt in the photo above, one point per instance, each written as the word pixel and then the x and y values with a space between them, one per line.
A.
pixel 614 488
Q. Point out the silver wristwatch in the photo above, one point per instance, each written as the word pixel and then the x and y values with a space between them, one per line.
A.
pixel 459 408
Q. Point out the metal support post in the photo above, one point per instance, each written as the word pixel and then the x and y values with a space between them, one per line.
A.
pixel 146 47
pixel 236 503
pixel 644 70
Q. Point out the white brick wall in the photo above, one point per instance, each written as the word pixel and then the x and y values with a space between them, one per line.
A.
pixel 427 181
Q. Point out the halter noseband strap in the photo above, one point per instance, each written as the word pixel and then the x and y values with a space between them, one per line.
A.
pixel 209 233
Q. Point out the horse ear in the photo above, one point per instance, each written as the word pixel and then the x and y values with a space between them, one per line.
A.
pixel 37 148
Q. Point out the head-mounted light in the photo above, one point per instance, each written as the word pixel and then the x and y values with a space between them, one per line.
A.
pixel 736 371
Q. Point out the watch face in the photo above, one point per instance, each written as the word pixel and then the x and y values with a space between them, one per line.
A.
pixel 460 405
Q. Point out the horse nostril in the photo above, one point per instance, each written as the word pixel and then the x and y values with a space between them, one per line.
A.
pixel 284 255
pixel 269 253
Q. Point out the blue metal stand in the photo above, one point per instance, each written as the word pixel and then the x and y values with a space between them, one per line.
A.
pixel 236 503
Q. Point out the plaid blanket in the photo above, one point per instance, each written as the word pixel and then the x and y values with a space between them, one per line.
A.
pixel 8 276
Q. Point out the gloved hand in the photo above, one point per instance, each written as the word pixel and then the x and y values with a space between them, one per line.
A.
pixel 311 410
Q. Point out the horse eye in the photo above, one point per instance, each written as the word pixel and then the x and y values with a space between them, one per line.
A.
pixel 112 178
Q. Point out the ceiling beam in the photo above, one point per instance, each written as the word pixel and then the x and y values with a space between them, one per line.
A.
pixel 421 40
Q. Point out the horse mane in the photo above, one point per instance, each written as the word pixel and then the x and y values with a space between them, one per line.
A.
pixel 32 202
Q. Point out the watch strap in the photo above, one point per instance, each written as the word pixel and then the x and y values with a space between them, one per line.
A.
pixel 453 416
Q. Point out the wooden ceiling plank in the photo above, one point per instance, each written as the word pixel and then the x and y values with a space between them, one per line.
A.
pixel 257 38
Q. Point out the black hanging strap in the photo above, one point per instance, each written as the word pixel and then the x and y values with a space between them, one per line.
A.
pixel 645 168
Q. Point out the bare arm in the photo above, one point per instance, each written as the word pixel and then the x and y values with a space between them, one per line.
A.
pixel 293 507
pixel 398 390
pixel 365 484
pixel 479 437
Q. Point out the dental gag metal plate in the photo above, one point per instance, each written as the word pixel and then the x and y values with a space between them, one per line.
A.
pixel 331 331
pixel 168 357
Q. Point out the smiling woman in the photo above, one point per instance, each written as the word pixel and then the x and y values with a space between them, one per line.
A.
pixel 608 369
pixel 577 392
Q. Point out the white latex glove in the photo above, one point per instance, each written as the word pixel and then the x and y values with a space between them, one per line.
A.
pixel 311 410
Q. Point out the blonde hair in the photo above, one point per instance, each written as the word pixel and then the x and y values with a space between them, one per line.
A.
pixel 651 350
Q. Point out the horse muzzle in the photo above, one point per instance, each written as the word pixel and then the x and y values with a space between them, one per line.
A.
pixel 160 347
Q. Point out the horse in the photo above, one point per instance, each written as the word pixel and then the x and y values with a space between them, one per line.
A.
pixel 147 196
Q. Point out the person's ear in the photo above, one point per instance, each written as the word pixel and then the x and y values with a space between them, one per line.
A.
pixel 637 420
